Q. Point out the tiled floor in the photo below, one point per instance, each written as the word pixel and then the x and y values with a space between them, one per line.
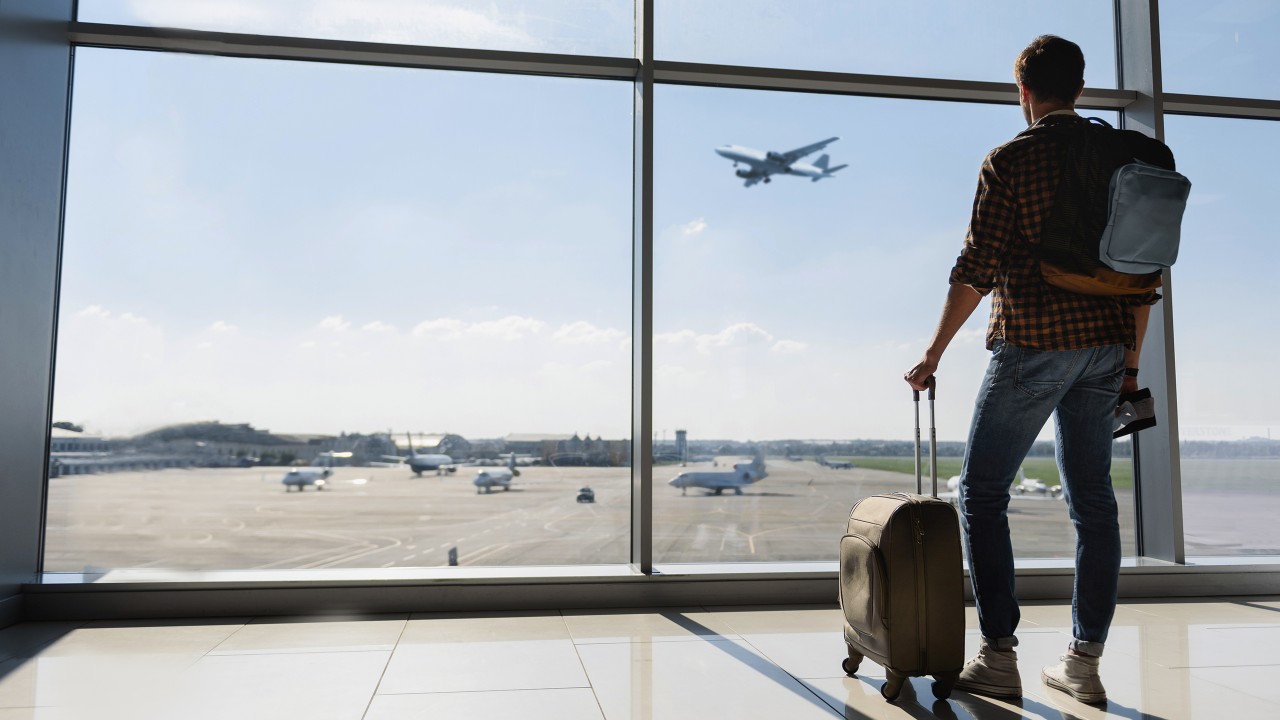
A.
pixel 1170 660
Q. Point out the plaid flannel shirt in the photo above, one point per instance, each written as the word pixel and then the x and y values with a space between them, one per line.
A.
pixel 1016 188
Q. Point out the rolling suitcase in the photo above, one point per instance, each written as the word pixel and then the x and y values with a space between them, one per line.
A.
pixel 902 584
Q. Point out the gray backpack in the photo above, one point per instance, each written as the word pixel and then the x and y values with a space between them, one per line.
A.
pixel 1144 221
pixel 1117 242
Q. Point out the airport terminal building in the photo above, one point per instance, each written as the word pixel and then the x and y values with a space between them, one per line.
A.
pixel 642 224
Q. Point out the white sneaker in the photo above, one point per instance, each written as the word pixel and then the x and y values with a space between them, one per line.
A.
pixel 992 672
pixel 1076 675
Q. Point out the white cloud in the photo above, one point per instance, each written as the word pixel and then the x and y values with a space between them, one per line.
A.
pixel 334 323
pixel 441 329
pixel 511 327
pixel 223 327
pixel 789 346
pixel 377 326
pixel 694 227
pixel 738 335
pixel 582 332
pixel 734 336
pixel 94 311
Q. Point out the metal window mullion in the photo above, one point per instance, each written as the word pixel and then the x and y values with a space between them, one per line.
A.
pixel 202 42
pixel 642 298
pixel 35 96
pixel 1157 462
pixel 1244 108
pixel 889 86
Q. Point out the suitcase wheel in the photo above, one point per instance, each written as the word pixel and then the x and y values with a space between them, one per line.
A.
pixel 850 665
pixel 893 686
pixel 944 684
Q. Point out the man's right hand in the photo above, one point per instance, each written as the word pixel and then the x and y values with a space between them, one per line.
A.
pixel 917 376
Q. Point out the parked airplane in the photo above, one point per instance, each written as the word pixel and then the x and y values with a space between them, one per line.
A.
pixel 761 164
pixel 837 465
pixel 487 480
pixel 316 476
pixel 718 481
pixel 304 477
pixel 422 462
pixel 1023 488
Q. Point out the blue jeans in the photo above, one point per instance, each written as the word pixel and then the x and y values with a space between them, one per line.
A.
pixel 1021 389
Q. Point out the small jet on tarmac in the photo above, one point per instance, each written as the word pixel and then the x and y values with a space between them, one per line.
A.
pixel 837 465
pixel 304 477
pixel 423 462
pixel 718 481
pixel 762 164
pixel 316 476
pixel 1023 488
pixel 487 480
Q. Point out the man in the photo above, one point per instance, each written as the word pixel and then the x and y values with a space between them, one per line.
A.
pixel 1053 353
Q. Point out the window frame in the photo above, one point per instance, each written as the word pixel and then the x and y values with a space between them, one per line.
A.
pixel 1140 101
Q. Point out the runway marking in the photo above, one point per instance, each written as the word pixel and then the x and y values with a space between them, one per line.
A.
pixel 351 550
pixel 395 542
pixel 486 552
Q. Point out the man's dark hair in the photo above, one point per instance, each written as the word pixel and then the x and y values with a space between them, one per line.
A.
pixel 1051 68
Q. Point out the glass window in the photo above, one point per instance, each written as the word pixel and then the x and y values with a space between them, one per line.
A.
pixel 579 27
pixel 938 38
pixel 786 312
pixel 282 279
pixel 1220 47
pixel 1227 403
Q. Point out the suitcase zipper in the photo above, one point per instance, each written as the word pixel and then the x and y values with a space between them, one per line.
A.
pixel 922 606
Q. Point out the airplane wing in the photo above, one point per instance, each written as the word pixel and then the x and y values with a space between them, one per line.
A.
pixel 753 180
pixel 794 155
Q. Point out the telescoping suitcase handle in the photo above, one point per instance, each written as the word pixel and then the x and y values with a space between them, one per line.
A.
pixel 932 384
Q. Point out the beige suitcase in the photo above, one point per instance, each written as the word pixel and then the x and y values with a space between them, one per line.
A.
pixel 902 584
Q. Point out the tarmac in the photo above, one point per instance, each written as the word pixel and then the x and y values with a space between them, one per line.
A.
pixel 242 519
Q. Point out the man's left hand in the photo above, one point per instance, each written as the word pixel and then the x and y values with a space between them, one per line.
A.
pixel 1128 385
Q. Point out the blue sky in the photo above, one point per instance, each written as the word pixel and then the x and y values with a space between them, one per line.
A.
pixel 318 248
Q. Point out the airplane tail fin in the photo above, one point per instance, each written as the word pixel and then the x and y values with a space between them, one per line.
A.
pixel 827 172
pixel 821 162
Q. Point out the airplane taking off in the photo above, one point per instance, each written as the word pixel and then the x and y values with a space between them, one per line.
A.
pixel 762 164
pixel 422 462
pixel 718 481
pixel 487 480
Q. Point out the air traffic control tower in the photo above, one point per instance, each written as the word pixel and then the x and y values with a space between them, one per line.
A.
pixel 682 445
